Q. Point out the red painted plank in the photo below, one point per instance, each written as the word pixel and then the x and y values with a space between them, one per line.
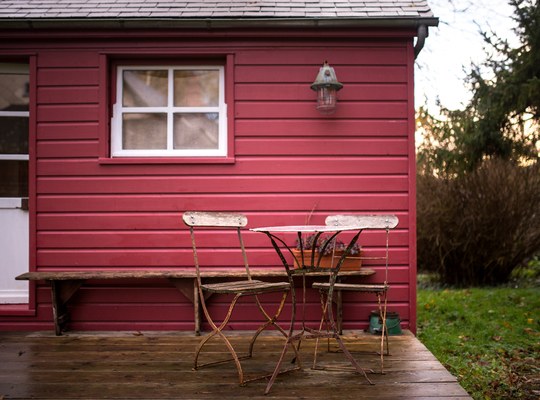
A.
pixel 307 74
pixel 159 292
pixel 68 95
pixel 171 312
pixel 324 147
pixel 174 239
pixel 242 166
pixel 156 257
pixel 121 291
pixel 164 220
pixel 385 110
pixel 131 313
pixel 67 130
pixel 303 92
pixel 67 76
pixel 248 202
pixel 71 149
pixel 68 113
pixel 115 326
pixel 68 58
pixel 131 292
pixel 354 55
pixel 322 127
pixel 108 221
pixel 233 184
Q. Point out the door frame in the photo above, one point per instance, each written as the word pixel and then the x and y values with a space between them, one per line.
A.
pixel 30 308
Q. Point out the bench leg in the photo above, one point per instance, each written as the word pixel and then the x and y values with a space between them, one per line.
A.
pixel 61 292
pixel 192 294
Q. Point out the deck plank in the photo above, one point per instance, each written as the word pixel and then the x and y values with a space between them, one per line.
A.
pixel 157 365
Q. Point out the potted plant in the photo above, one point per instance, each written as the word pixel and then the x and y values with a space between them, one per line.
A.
pixel 331 253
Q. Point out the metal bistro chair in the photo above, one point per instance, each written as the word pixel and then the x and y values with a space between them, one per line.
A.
pixel 199 221
pixel 383 222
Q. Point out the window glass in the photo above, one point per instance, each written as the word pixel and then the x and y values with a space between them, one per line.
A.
pixel 145 88
pixel 196 131
pixel 14 87
pixel 145 131
pixel 14 135
pixel 196 88
pixel 13 178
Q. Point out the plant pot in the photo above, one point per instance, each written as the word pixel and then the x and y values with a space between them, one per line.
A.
pixel 349 264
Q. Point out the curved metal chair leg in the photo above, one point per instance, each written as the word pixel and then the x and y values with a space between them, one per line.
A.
pixel 269 321
pixel 217 331
pixel 384 332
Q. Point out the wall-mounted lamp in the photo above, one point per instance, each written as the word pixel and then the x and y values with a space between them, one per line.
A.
pixel 326 85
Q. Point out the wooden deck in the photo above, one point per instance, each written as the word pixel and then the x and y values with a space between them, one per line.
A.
pixel 157 365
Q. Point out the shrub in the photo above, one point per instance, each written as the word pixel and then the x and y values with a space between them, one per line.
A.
pixel 475 229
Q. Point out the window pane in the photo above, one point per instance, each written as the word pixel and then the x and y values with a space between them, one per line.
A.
pixel 145 88
pixel 196 131
pixel 196 88
pixel 13 178
pixel 14 88
pixel 13 135
pixel 144 131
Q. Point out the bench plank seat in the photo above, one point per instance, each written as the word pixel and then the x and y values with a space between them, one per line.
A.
pixel 64 284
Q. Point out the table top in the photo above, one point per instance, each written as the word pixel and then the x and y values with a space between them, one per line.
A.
pixel 308 228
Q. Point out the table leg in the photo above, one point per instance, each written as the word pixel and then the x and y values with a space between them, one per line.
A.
pixel 339 304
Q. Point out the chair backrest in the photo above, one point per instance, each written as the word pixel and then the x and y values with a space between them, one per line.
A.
pixel 200 219
pixel 367 221
pixel 385 222
pixel 214 219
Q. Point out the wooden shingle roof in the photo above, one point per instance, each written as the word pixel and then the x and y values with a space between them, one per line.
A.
pixel 177 11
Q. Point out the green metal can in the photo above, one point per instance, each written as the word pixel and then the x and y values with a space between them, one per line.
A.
pixel 392 322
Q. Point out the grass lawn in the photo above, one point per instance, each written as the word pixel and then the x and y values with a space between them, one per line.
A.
pixel 488 337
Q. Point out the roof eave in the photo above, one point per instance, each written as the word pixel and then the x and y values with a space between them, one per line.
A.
pixel 216 23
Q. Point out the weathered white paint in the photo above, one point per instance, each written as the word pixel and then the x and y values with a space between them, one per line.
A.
pixel 14 251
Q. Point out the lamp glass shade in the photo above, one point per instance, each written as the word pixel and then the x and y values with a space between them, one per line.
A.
pixel 326 85
pixel 326 100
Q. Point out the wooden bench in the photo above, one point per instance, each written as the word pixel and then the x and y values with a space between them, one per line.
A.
pixel 64 284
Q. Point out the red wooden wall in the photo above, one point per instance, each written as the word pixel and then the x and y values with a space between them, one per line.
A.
pixel 290 163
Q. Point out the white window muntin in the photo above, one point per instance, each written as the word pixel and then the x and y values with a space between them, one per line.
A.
pixel 170 110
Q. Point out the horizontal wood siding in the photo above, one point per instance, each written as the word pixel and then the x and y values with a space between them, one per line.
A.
pixel 292 166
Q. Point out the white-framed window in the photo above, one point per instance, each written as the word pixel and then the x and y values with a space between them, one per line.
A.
pixel 169 111
pixel 14 117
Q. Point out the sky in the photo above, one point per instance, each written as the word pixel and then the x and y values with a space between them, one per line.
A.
pixel 453 45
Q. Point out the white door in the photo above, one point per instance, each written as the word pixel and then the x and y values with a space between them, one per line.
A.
pixel 14 236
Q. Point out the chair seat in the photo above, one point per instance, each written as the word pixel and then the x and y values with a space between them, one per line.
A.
pixel 353 287
pixel 247 287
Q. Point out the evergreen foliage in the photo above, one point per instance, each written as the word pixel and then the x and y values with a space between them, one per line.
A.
pixel 478 191
pixel 502 118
